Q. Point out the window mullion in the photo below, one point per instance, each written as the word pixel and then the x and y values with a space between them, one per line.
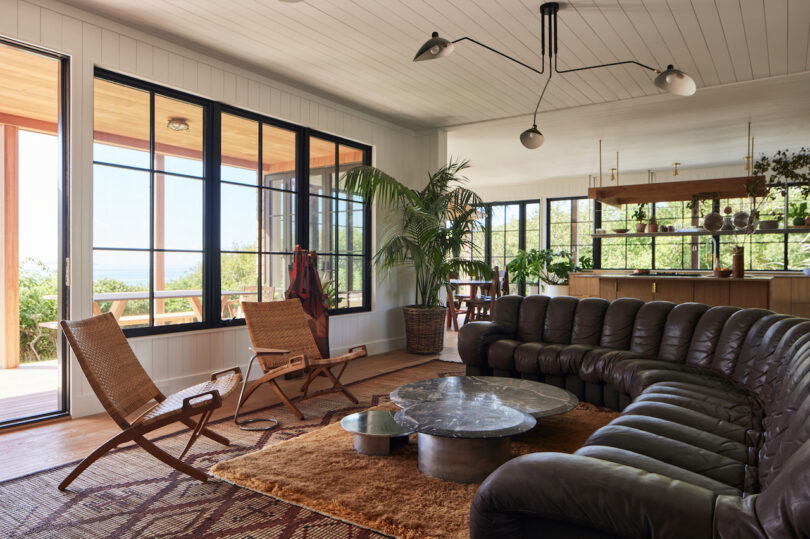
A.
pixel 151 209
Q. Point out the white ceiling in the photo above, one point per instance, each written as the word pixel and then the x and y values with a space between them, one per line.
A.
pixel 705 130
pixel 359 51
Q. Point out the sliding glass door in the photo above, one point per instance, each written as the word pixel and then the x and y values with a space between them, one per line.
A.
pixel 32 234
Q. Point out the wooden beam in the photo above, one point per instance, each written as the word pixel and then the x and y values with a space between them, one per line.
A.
pixel 671 191
pixel 11 254
pixel 31 124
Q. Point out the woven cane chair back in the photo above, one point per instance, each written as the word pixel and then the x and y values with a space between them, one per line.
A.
pixel 114 373
pixel 282 325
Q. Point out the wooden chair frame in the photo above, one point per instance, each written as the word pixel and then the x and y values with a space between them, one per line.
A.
pixel 201 399
pixel 300 354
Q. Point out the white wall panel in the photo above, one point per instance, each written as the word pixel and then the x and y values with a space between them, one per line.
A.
pixel 177 360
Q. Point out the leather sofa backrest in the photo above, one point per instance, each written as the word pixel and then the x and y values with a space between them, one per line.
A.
pixel 619 319
pixel 794 339
pixel 783 508
pixel 678 331
pixel 706 334
pixel 787 433
pixel 507 310
pixel 758 355
pixel 559 320
pixel 588 321
pixel 731 339
pixel 649 327
pixel 531 319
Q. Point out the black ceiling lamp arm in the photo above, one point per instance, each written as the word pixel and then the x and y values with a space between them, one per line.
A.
pixel 538 71
pixel 550 9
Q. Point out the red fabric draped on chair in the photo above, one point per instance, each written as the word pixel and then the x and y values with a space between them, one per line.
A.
pixel 305 284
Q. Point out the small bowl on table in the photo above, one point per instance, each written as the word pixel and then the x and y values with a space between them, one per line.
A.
pixel 722 273
pixel 620 230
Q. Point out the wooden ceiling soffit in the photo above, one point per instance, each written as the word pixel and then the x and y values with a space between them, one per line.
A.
pixel 672 191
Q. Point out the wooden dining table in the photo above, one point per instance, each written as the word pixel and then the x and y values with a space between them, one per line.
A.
pixel 474 284
pixel 119 300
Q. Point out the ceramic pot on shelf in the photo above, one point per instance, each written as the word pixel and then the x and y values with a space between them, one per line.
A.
pixel 653 227
pixel 738 262
pixel 640 227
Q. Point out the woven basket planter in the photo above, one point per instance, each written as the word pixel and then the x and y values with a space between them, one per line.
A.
pixel 424 329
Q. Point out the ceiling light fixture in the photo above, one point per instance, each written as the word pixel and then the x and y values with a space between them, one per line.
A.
pixel 671 80
pixel 178 124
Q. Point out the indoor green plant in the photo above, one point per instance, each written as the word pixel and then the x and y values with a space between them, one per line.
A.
pixel 434 231
pixel 550 268
pixel 797 213
pixel 639 214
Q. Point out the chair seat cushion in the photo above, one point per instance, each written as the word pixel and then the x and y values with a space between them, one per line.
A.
pixel 172 408
pixel 652 465
pixel 690 418
pixel 677 453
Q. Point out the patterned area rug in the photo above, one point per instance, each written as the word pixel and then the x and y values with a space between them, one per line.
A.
pixel 130 494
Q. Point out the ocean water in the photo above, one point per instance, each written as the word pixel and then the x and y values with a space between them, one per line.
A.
pixel 136 276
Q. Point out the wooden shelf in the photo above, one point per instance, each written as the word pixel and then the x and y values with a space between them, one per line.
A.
pixel 700 233
pixel 671 191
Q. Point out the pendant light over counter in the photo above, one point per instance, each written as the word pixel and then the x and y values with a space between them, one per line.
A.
pixel 670 80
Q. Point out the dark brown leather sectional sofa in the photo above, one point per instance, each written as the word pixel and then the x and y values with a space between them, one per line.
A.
pixel 712 440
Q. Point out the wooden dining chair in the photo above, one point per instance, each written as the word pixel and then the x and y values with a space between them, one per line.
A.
pixel 455 307
pixel 283 342
pixel 480 308
pixel 124 388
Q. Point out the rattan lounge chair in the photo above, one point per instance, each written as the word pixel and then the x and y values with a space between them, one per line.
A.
pixel 124 388
pixel 283 343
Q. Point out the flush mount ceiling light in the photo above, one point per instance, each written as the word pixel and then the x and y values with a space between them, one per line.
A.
pixel 670 80
pixel 178 124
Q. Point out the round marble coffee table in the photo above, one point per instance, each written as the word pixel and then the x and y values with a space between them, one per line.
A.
pixel 375 431
pixel 463 441
pixel 534 398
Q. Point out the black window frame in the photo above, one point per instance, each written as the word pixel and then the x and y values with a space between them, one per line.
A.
pixel 211 286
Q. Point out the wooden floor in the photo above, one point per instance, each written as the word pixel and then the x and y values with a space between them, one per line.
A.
pixel 28 390
pixel 30 449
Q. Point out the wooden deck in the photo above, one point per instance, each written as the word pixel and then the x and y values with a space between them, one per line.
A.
pixel 31 389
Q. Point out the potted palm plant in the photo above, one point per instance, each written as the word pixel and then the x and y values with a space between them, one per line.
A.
pixel 434 231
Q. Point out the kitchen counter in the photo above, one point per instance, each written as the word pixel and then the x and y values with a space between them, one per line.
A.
pixel 784 293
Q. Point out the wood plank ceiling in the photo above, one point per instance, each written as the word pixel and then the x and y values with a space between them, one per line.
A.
pixel 359 51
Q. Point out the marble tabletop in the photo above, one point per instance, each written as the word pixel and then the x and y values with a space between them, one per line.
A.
pixel 534 398
pixel 374 423
pixel 459 419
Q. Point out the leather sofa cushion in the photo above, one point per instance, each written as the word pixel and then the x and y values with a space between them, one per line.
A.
pixel 731 339
pixel 531 318
pixel 559 320
pixel 647 377
pixel 623 374
pixel 619 319
pixel 678 330
pixel 760 344
pixel 689 435
pixel 728 393
pixel 706 335
pixel 741 414
pixel 688 457
pixel 690 418
pixel 783 509
pixel 649 327
pixel 598 365
pixel 588 321
pixel 501 354
pixel 652 465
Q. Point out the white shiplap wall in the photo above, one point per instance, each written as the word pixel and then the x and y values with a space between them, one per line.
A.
pixel 179 359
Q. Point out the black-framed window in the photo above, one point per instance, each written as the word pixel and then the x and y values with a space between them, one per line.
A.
pixel 569 224
pixel 782 250
pixel 199 205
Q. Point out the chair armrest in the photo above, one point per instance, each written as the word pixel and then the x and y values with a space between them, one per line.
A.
pixel 475 337
pixel 570 495
pixel 215 401
pixel 267 351
pixel 235 370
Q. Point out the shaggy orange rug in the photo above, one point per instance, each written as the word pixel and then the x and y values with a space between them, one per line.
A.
pixel 320 470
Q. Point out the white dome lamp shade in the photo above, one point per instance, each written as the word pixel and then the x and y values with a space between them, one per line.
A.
pixel 435 47
pixel 532 138
pixel 676 82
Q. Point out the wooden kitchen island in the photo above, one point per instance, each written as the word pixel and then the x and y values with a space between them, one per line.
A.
pixel 783 293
